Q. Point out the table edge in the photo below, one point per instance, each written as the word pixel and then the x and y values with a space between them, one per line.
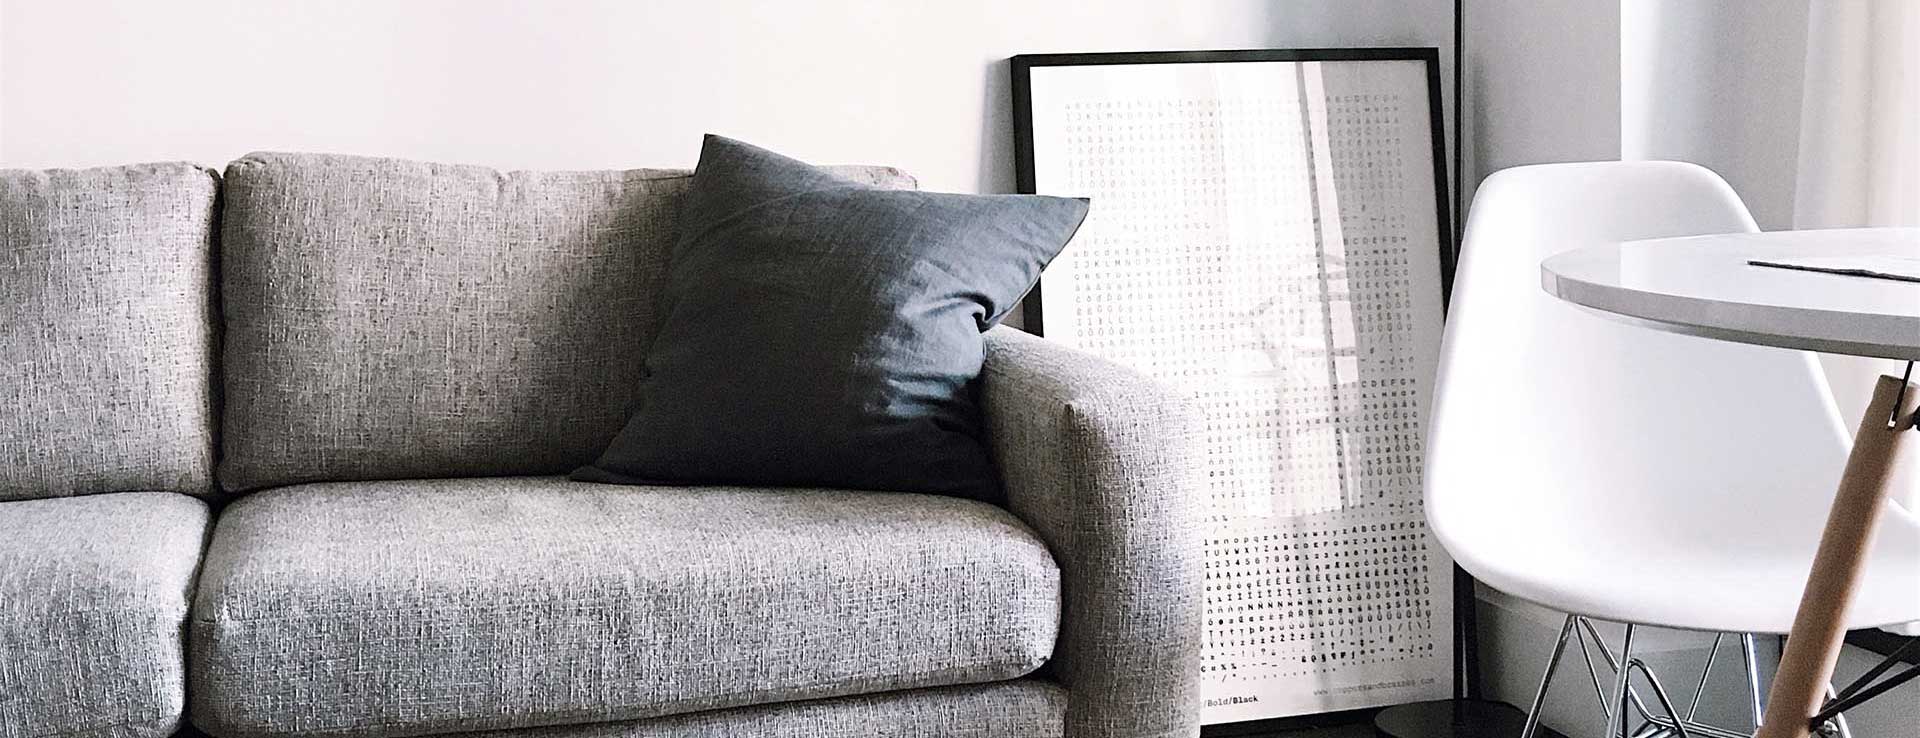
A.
pixel 1658 311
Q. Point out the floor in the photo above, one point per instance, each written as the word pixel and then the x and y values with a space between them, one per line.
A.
pixel 1355 730
pixel 1344 731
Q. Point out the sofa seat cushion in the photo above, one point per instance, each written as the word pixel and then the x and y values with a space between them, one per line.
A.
pixel 93 612
pixel 1022 708
pixel 416 607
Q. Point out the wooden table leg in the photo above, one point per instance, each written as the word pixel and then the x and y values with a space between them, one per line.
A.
pixel 1819 628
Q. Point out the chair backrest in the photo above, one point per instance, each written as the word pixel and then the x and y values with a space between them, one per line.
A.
pixel 1549 417
pixel 107 335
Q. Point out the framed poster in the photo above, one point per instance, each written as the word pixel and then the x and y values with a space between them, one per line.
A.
pixel 1269 232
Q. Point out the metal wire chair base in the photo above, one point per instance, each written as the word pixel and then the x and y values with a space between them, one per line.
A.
pixel 1624 706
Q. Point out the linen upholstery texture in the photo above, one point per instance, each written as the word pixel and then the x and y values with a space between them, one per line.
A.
pixel 1106 465
pixel 416 607
pixel 106 326
pixel 93 610
pixel 392 319
pixel 826 333
pixel 1025 708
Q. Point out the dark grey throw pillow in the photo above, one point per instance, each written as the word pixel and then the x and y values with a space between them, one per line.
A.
pixel 821 332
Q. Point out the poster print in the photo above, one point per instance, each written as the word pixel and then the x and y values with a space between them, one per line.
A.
pixel 1268 233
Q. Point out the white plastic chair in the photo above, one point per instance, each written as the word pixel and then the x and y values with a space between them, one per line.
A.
pixel 1618 473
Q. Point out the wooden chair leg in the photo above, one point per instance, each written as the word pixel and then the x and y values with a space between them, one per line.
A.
pixel 1819 628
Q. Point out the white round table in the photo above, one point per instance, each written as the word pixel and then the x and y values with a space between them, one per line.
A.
pixel 1705 286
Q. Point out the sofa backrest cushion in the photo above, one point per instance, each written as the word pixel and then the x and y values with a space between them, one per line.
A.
pixel 389 319
pixel 106 329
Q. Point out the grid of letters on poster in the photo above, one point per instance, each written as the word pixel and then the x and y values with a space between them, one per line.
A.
pixel 1209 264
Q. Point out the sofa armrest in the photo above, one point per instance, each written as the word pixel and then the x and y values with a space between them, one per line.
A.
pixel 1105 465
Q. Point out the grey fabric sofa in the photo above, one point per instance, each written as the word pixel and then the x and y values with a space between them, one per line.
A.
pixel 283 453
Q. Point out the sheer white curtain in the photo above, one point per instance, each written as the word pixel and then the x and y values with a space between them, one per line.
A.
pixel 1860 139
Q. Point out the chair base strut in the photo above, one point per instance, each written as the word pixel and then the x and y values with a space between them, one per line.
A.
pixel 1628 715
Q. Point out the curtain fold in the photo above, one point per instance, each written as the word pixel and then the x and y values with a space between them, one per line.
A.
pixel 1859 160
pixel 1860 116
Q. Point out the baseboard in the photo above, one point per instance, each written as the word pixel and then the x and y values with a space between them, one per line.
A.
pixel 1276 726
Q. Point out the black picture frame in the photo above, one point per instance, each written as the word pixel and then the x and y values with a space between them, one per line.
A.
pixel 1447 238
pixel 1022 70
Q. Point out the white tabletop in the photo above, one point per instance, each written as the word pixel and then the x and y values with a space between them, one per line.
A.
pixel 1703 285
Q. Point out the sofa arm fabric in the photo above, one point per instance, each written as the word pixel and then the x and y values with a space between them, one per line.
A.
pixel 1106 465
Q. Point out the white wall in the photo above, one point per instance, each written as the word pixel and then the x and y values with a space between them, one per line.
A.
pixel 587 84
pixel 1542 83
